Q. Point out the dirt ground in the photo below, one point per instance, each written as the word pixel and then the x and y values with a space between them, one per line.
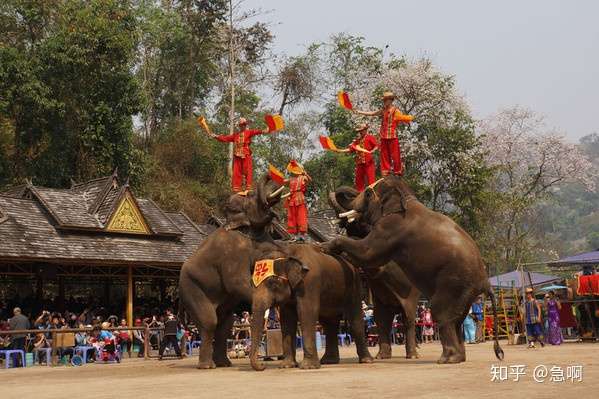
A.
pixel 392 378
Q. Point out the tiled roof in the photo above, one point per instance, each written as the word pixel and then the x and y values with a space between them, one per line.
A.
pixel 90 205
pixel 69 207
pixel 322 225
pixel 159 221
pixel 29 234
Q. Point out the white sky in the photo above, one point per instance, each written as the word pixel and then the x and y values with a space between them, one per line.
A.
pixel 541 54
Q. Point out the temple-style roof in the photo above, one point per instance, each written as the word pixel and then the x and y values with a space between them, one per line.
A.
pixel 323 225
pixel 99 222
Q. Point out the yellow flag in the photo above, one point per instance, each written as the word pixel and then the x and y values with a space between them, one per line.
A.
pixel 262 270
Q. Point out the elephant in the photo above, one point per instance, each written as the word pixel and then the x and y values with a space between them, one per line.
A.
pixel 216 278
pixel 314 287
pixel 392 291
pixel 436 254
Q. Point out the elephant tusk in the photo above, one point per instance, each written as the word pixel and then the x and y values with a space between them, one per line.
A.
pixel 285 195
pixel 276 192
pixel 348 214
pixel 350 220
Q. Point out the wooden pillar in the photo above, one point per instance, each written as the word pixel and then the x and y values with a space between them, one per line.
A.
pixel 130 296
pixel 61 299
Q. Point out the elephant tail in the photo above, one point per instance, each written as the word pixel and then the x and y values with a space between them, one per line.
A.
pixel 498 351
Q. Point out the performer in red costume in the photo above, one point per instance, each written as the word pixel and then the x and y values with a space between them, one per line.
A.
pixel 297 214
pixel 242 154
pixel 362 147
pixel 391 116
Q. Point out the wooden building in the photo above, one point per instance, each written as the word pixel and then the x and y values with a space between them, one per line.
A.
pixel 94 230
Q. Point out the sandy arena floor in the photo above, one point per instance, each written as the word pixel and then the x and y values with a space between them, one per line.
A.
pixel 393 378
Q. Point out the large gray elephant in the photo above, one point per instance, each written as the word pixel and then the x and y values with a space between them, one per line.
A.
pixel 392 291
pixel 438 256
pixel 314 287
pixel 217 277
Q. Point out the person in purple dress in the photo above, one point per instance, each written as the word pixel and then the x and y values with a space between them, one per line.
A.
pixel 554 332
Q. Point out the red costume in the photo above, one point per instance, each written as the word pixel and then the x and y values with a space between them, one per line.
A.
pixel 242 157
pixel 297 215
pixel 364 161
pixel 390 151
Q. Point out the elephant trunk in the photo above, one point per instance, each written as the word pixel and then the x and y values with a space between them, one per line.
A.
pixel 257 330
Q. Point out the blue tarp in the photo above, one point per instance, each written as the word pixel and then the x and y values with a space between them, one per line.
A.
pixel 580 259
pixel 512 279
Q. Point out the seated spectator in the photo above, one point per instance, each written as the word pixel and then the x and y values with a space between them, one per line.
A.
pixel 40 342
pixel 82 339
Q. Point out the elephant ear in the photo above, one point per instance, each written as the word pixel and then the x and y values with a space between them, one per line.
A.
pixel 342 199
pixel 393 203
pixel 295 271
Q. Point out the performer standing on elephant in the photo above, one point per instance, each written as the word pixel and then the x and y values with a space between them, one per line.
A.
pixel 242 154
pixel 297 213
pixel 391 116
pixel 362 147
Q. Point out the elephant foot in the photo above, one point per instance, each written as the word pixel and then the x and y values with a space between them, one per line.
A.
pixel 329 359
pixel 223 362
pixel 414 355
pixel 288 364
pixel 383 355
pixel 366 359
pixel 308 364
pixel 206 365
pixel 451 359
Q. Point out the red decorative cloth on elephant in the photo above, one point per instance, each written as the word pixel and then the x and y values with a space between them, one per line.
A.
pixel 365 168
pixel 297 214
pixel 242 157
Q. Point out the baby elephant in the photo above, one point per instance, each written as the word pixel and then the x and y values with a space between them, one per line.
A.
pixel 316 287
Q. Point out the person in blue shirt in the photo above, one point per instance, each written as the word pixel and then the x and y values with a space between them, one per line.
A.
pixel 477 312
pixel 532 315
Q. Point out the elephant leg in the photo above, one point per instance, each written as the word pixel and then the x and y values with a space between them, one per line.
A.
pixel 289 330
pixel 383 315
pixel 447 312
pixel 203 313
pixel 331 354
pixel 308 310
pixel 223 332
pixel 358 332
pixel 409 307
pixel 410 336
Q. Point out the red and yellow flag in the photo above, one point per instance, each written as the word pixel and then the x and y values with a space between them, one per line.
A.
pixel 344 101
pixel 327 143
pixel 276 175
pixel 403 118
pixel 203 124
pixel 274 122
pixel 262 270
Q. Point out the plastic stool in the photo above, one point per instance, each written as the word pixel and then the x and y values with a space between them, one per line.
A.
pixel 48 355
pixel 7 354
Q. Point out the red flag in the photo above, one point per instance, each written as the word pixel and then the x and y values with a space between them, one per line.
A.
pixel 344 101
pixel 274 122
pixel 327 143
pixel 276 175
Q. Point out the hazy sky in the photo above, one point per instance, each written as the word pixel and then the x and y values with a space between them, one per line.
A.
pixel 542 54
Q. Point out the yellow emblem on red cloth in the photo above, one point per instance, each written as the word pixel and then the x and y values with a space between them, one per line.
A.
pixel 262 270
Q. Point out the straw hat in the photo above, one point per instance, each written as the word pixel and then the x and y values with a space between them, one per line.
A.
pixel 529 291
pixel 361 126
pixel 388 94
pixel 105 325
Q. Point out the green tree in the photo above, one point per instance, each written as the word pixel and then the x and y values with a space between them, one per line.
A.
pixel 74 59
